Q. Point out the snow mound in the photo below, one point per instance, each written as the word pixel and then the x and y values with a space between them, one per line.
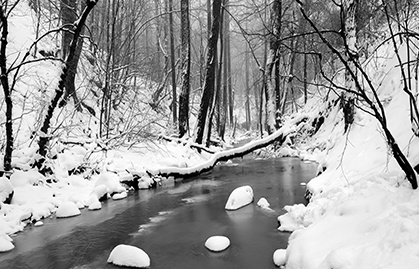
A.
pixel 23 178
pixel 125 255
pixel 217 243
pixel 280 257
pixel 119 196
pixel 239 197
pixel 6 243
pixel 6 188
pixel 67 209
pixel 111 181
pixel 293 220
pixel 93 203
pixel 263 203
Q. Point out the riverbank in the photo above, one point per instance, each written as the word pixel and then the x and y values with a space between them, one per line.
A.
pixel 172 222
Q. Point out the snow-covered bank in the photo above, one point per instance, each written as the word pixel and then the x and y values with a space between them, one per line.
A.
pixel 99 175
pixel 363 213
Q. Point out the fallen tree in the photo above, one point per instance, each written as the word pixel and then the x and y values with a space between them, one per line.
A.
pixel 184 172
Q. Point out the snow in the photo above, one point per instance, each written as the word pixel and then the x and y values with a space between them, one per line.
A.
pixel 279 257
pixel 6 243
pixel 119 196
pixel 67 209
pixel 239 197
pixel 263 203
pixel 6 188
pixel 130 256
pixel 217 243
pixel 111 181
pixel 362 211
pixel 38 223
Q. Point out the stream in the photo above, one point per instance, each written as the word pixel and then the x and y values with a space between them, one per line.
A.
pixel 172 222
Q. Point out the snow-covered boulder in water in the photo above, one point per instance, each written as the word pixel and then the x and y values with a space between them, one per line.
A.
pixel 111 181
pixel 5 243
pixel 67 209
pixel 217 243
pixel 130 256
pixel 119 196
pixel 280 257
pixel 6 190
pixel 239 197
pixel 263 203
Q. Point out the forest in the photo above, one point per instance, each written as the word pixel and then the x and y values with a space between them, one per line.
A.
pixel 127 93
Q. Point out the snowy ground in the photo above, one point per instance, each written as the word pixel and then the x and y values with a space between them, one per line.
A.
pixel 363 213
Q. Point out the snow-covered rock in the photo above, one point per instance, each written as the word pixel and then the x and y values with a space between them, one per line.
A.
pixel 239 197
pixel 145 182
pixel 111 181
pixel 280 257
pixel 263 203
pixel 217 243
pixel 93 203
pixel 38 223
pixel 100 192
pixel 125 255
pixel 6 189
pixel 95 206
pixel 6 243
pixel 119 196
pixel 67 209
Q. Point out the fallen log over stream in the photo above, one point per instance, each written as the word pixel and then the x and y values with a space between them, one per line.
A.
pixel 184 172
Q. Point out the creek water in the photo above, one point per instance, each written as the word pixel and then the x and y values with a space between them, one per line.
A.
pixel 172 222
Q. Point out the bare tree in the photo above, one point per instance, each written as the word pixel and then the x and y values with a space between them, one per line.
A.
pixel 172 63
pixel 272 61
pixel 186 69
pixel 348 11
pixel 208 91
pixel 7 161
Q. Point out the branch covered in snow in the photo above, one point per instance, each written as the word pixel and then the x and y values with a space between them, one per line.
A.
pixel 280 135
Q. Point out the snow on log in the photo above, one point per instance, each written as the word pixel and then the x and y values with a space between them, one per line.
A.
pixel 279 135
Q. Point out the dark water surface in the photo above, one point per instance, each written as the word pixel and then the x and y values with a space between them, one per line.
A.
pixel 172 223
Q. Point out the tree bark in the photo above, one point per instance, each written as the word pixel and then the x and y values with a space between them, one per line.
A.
pixel 272 60
pixel 172 63
pixel 210 73
pixel 68 17
pixel 350 25
pixel 7 160
pixel 186 69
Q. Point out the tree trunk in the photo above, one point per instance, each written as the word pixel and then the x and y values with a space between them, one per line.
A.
pixel 68 17
pixel 186 69
pixel 247 90
pixel 350 25
pixel 272 60
pixel 172 63
pixel 280 135
pixel 7 160
pixel 228 63
pixel 210 73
